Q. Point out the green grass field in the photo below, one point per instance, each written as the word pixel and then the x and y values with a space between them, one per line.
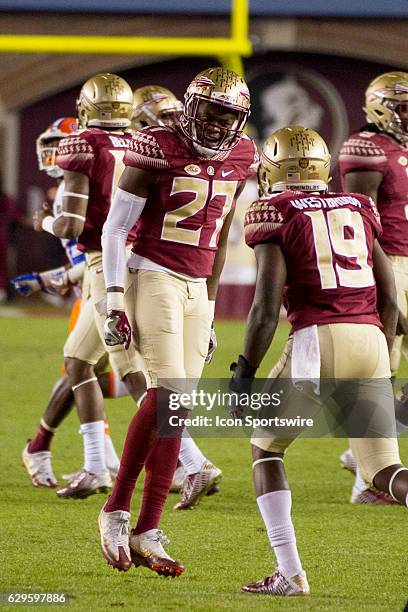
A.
pixel 355 556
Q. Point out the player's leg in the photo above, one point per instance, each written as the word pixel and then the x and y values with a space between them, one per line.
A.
pixel 361 493
pixel 36 455
pixel 274 501
pixel 364 392
pixel 154 303
pixel 127 364
pixel 82 351
pixel 127 375
pixel 380 465
pixel 201 475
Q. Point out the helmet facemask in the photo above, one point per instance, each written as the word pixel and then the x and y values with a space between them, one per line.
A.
pixel 202 132
pixel 47 158
pixel 222 95
pixel 386 101
pixel 47 145
pixel 155 105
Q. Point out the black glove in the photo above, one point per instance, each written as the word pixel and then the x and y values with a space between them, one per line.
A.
pixel 240 383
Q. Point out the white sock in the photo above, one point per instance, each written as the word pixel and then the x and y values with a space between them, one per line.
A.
pixel 359 484
pixel 111 458
pixel 275 508
pixel 117 387
pixel 191 458
pixel 94 446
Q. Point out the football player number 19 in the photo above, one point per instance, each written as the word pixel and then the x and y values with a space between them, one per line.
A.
pixel 201 194
pixel 329 237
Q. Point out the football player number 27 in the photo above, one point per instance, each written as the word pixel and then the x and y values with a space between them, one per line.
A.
pixel 329 238
pixel 200 192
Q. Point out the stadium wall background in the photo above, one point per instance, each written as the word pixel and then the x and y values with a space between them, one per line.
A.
pixel 311 71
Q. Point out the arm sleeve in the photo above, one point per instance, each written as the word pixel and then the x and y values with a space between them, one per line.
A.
pixel 125 211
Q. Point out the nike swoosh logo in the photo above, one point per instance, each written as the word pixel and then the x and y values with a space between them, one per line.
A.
pixel 224 173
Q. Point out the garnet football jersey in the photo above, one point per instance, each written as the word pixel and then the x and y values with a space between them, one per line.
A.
pixel 99 155
pixel 370 151
pixel 190 197
pixel 327 242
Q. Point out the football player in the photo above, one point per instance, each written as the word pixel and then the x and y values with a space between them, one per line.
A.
pixel 180 183
pixel 374 161
pixel 155 105
pixel 323 247
pixel 36 455
pixel 92 161
pixel 195 475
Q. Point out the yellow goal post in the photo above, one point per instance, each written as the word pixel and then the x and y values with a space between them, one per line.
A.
pixel 230 51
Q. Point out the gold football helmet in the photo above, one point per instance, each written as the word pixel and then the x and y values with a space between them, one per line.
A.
pixel 155 105
pixel 224 88
pixel 105 101
pixel 383 97
pixel 294 157
pixel 47 144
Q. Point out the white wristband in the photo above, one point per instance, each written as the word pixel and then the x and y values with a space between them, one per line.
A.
pixel 47 224
pixel 115 301
pixel 211 308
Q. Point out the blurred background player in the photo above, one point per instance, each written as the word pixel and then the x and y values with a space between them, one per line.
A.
pixel 180 183
pixel 322 249
pixel 154 105
pixel 374 161
pixel 36 455
pixel 9 216
pixel 92 161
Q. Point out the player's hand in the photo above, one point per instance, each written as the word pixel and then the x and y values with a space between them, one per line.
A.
pixel 26 284
pixel 240 384
pixel 402 325
pixel 55 281
pixel 47 208
pixel 117 329
pixel 212 345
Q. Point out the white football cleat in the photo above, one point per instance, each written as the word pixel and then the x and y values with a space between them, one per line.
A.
pixel 197 485
pixel 113 472
pixel 114 530
pixel 279 585
pixel 39 468
pixel 372 496
pixel 348 462
pixel 85 484
pixel 146 549
pixel 178 479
